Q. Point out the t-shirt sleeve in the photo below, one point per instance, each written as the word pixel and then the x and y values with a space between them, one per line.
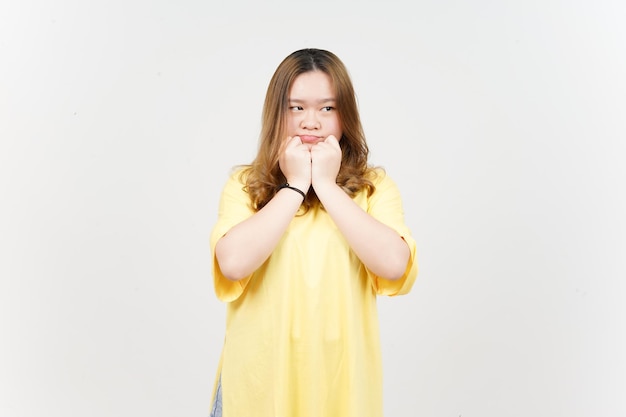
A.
pixel 234 207
pixel 385 204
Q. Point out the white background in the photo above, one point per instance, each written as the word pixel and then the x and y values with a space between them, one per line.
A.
pixel 503 123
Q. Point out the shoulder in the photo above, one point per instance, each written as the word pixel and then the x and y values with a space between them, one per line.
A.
pixel 383 192
pixel 234 185
pixel 238 175
pixel 379 177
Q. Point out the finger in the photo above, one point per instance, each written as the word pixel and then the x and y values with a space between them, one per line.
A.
pixel 290 142
pixel 293 141
pixel 332 141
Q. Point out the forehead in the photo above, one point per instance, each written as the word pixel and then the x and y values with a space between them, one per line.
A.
pixel 312 84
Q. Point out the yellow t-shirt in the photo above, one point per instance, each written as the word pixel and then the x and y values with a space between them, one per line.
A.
pixel 302 336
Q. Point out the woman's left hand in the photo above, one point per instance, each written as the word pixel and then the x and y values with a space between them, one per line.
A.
pixel 325 162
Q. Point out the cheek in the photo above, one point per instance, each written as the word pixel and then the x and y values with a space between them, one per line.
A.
pixel 337 127
pixel 292 126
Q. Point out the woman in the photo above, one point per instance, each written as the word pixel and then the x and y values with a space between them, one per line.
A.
pixel 307 236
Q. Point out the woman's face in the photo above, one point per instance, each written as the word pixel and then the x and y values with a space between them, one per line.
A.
pixel 312 114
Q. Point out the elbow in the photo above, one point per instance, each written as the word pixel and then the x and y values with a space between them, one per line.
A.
pixel 395 273
pixel 391 270
pixel 231 266
pixel 231 269
pixel 396 266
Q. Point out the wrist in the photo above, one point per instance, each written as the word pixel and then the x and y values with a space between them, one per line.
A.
pixel 301 185
pixel 324 187
pixel 294 189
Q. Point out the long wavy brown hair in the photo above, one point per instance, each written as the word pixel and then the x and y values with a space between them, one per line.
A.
pixel 263 176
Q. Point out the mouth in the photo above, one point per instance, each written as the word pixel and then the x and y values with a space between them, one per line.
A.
pixel 310 138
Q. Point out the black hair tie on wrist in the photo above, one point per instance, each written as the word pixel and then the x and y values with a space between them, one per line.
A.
pixel 286 185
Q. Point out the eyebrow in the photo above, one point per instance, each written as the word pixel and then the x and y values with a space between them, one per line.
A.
pixel 322 101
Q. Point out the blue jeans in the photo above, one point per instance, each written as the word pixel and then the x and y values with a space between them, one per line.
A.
pixel 216 411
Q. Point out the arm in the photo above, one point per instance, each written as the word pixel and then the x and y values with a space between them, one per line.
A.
pixel 248 244
pixel 379 247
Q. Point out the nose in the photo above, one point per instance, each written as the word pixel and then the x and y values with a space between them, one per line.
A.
pixel 310 121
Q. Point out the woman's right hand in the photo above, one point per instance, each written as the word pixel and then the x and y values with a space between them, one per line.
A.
pixel 295 163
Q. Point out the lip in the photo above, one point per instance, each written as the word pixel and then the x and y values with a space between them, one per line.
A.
pixel 310 138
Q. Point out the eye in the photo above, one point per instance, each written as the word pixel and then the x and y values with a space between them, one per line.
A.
pixel 328 108
pixel 296 108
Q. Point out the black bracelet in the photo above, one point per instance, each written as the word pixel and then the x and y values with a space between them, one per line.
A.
pixel 286 185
